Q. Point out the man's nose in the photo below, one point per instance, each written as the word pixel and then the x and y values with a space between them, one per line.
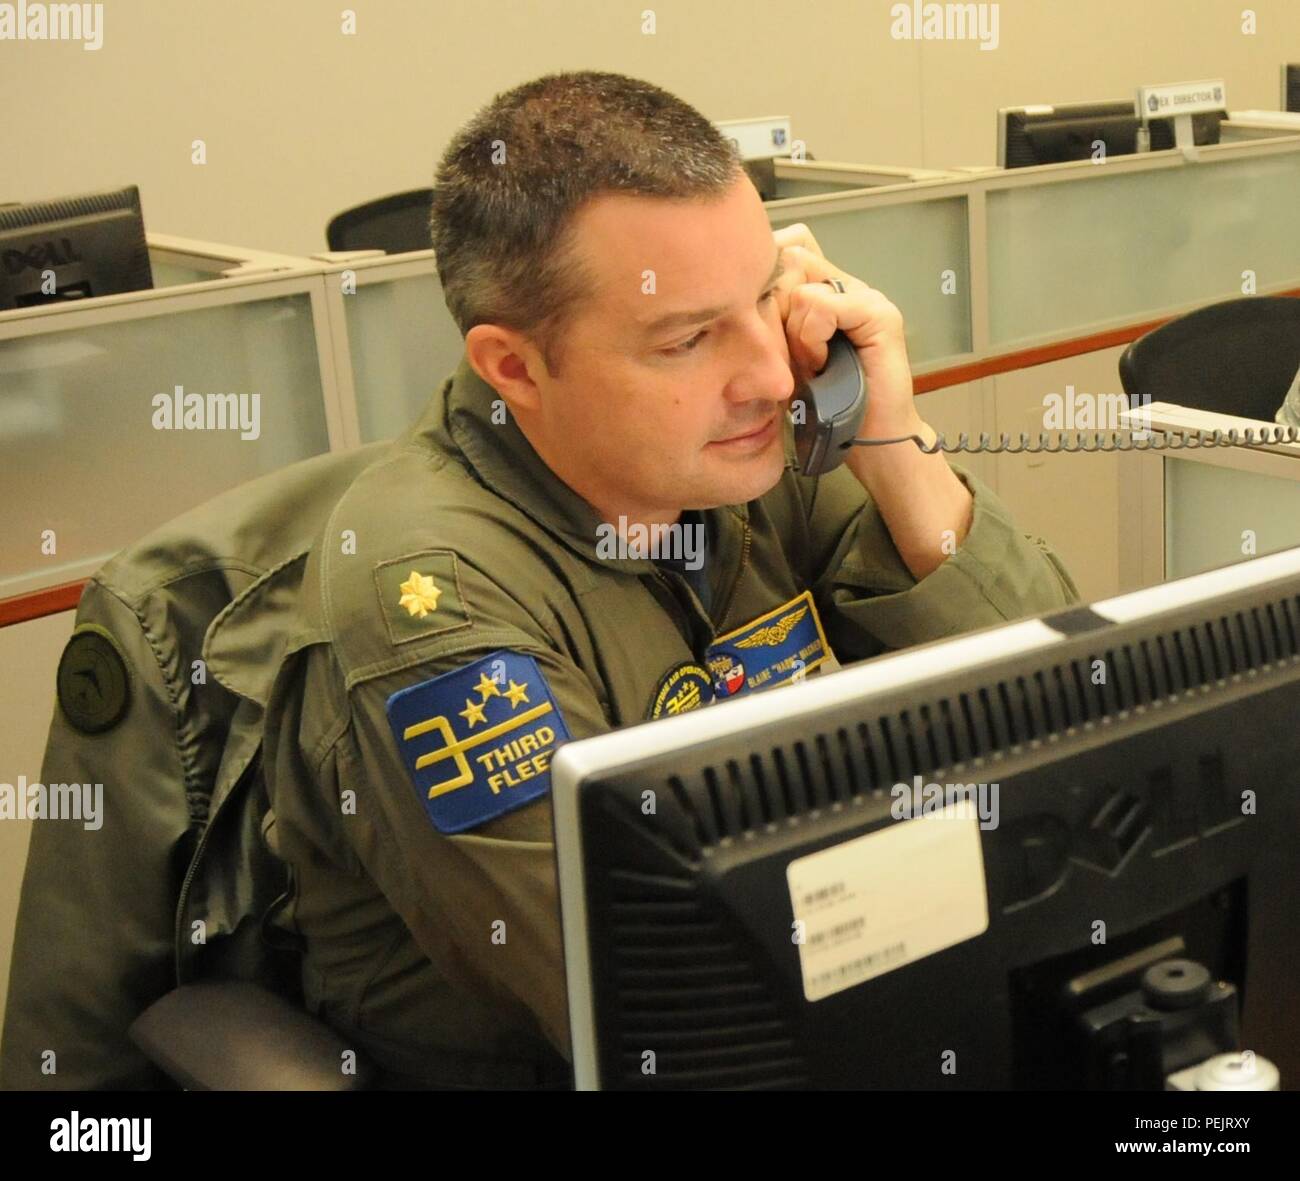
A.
pixel 764 365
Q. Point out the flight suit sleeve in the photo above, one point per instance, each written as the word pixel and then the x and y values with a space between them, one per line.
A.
pixel 482 904
pixel 870 601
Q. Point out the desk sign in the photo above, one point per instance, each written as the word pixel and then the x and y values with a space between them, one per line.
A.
pixel 1180 98
pixel 757 139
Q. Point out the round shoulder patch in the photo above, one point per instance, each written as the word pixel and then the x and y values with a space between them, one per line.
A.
pixel 683 687
pixel 94 681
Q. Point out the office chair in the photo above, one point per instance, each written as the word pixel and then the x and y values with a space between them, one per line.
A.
pixel 393 224
pixel 1238 357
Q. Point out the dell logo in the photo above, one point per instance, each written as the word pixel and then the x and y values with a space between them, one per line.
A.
pixel 40 256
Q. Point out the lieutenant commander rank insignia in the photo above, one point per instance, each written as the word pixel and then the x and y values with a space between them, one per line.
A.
pixel 769 650
pixel 420 595
pixel 478 741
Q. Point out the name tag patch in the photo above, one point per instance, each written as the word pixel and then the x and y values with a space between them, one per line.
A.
pixel 769 650
pixel 477 742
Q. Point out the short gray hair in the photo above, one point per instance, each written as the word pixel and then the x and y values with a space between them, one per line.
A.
pixel 503 228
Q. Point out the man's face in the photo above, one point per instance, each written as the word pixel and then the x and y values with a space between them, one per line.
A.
pixel 647 411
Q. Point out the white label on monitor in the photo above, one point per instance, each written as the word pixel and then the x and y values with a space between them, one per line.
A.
pixel 894 896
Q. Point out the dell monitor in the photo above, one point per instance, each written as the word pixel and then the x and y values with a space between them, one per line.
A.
pixel 1057 853
pixel 1291 87
pixel 73 248
pixel 1070 131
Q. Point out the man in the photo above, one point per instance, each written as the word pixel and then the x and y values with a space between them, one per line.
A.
pixel 632 332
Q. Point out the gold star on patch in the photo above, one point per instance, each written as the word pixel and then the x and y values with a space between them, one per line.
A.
pixel 473 712
pixel 419 595
pixel 486 687
pixel 516 693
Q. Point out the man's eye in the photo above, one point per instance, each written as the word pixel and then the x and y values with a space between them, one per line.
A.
pixel 687 345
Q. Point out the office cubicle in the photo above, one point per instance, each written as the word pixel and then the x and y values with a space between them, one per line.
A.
pixel 85 467
pixel 1198 508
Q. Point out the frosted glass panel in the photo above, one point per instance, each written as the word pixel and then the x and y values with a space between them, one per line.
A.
pixel 404 344
pixel 170 274
pixel 1065 256
pixel 903 251
pixel 79 452
pixel 1208 508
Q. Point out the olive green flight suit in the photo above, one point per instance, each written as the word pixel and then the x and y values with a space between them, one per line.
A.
pixel 439 952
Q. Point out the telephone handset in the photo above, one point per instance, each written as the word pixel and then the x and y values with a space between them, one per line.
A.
pixel 834 402
pixel 831 405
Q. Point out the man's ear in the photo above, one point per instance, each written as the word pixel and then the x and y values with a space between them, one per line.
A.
pixel 507 361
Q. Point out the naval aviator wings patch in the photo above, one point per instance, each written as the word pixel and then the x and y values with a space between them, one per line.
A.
pixel 779 645
pixel 477 742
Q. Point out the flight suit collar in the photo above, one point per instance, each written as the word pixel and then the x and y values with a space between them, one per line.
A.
pixel 505 461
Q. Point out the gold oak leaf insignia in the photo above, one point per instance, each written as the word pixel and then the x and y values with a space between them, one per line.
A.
pixel 419 595
pixel 775 633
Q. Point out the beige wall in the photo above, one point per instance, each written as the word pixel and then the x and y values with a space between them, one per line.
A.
pixel 301 121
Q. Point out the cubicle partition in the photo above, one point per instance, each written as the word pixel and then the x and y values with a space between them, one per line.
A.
pixel 93 453
pixel 1014 285
pixel 1198 508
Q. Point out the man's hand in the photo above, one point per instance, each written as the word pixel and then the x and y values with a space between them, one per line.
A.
pixel 925 506
pixel 812 311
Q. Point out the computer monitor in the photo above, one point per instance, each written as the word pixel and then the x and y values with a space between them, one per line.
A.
pixel 1056 134
pixel 73 248
pixel 1291 87
pixel 1058 853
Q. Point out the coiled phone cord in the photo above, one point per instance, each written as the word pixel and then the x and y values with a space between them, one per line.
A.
pixel 1074 442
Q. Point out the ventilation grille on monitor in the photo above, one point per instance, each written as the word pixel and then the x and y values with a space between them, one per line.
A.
pixel 727 800
pixel 67 208
pixel 691 995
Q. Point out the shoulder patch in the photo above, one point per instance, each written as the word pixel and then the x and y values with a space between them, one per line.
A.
pixel 94 680
pixel 420 595
pixel 477 742
pixel 683 687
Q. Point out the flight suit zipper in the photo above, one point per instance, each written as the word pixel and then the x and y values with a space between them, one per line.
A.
pixel 671 581
pixel 740 573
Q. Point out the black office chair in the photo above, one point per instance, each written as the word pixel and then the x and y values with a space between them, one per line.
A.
pixel 1238 357
pixel 393 224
